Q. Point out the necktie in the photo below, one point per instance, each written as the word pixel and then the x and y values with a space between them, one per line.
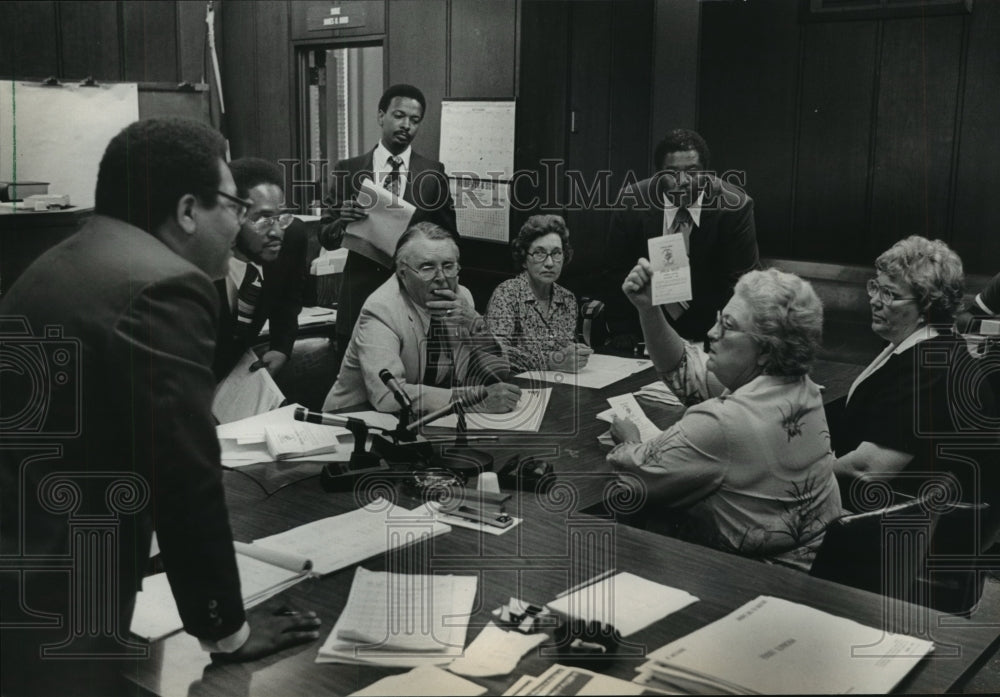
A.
pixel 247 298
pixel 392 179
pixel 682 225
pixel 438 371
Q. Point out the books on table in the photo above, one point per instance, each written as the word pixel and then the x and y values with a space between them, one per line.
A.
pixel 775 646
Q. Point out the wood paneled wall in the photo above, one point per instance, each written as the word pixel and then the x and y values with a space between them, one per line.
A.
pixel 150 41
pixel 855 134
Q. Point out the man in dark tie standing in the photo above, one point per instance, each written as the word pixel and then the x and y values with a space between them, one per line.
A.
pixel 714 216
pixel 393 165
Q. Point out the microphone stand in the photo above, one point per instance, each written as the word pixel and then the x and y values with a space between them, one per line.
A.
pixel 460 457
pixel 339 476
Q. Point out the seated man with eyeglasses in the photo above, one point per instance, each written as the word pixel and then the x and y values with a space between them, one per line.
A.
pixel 266 273
pixel 422 327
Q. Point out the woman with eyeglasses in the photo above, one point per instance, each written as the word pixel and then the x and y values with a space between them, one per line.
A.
pixel 923 389
pixel 531 315
pixel 748 467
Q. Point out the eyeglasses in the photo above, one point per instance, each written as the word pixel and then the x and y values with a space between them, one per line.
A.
pixel 720 321
pixel 885 295
pixel 241 205
pixel 264 222
pixel 540 255
pixel 427 272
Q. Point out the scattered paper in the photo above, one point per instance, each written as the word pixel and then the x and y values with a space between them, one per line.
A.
pixel 601 370
pixel 625 601
pixel 244 443
pixel 625 407
pixel 495 652
pixel 375 236
pixel 424 680
pixel 298 439
pixel 245 393
pixel 671 281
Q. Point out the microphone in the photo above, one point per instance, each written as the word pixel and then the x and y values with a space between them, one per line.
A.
pixel 390 381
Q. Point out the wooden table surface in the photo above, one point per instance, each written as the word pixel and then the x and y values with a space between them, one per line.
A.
pixel 554 547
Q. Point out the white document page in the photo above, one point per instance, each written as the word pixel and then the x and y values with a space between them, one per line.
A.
pixel 340 541
pixel 403 620
pixel 671 270
pixel 425 680
pixel 601 370
pixel 625 407
pixel 495 652
pixel 526 416
pixel 775 646
pixel 376 235
pixel 244 393
pixel 625 600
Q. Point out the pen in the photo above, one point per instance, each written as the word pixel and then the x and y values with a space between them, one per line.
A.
pixel 599 577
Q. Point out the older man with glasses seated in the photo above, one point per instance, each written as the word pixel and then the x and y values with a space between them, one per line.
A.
pixel 422 327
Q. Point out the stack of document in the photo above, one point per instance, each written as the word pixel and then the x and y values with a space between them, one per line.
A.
pixel 402 620
pixel 774 646
pixel 601 371
pixel 625 601
pixel 244 442
pixel 263 574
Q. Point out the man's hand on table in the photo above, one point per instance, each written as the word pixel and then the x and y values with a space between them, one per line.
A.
pixel 271 632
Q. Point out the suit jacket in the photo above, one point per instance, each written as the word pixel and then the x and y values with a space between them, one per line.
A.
pixel 280 304
pixel 391 333
pixel 124 332
pixel 426 188
pixel 722 248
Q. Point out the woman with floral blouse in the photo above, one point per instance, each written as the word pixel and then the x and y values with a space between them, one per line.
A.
pixel 749 464
pixel 532 316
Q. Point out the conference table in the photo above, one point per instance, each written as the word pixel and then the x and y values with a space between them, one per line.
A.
pixel 566 535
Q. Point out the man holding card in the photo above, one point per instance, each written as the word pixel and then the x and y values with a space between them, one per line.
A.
pixel 393 165
pixel 692 225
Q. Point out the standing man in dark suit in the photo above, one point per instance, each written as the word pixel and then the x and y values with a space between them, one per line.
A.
pixel 122 316
pixel 716 219
pixel 266 273
pixel 394 165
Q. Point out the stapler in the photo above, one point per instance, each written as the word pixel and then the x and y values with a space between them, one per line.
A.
pixel 478 506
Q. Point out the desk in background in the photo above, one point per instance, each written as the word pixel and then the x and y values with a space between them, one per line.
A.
pixel 25 235
pixel 556 546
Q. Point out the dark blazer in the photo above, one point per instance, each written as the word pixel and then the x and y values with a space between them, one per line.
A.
pixel 280 304
pixel 932 402
pixel 722 248
pixel 124 330
pixel 426 188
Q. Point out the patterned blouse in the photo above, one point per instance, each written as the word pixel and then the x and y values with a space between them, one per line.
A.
pixel 526 333
pixel 752 468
